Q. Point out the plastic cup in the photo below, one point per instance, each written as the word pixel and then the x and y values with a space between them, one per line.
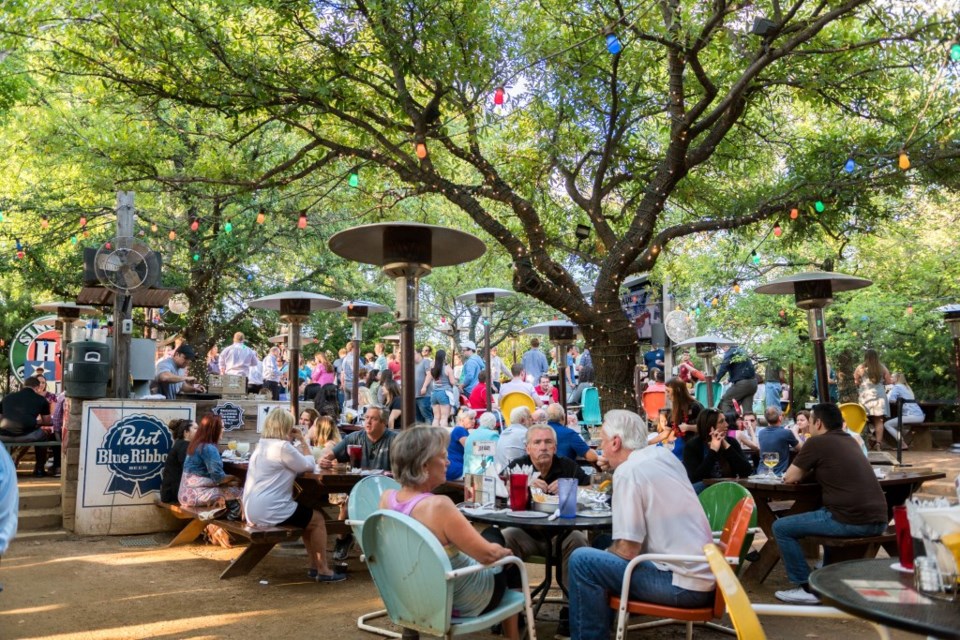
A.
pixel 519 494
pixel 355 453
pixel 904 540
pixel 567 491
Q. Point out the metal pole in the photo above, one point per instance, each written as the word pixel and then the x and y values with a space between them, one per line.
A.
pixel 407 392
pixel 121 306
pixel 486 360
pixel 793 408
pixel 820 360
pixel 294 348
pixel 562 377
pixel 355 389
pixel 708 376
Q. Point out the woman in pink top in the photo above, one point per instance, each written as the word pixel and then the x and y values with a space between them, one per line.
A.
pixel 323 371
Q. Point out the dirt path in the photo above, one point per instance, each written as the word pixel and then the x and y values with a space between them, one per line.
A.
pixel 98 589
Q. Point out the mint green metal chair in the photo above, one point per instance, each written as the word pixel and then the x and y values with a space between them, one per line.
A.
pixel 364 500
pixel 718 500
pixel 415 580
pixel 590 400
pixel 700 394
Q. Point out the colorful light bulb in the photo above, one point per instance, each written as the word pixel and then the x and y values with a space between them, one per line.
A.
pixel 83 221
pixel 261 217
pixel 86 234
pixel 736 287
pixel 172 235
pixel 73 239
pixel 196 257
pixel 302 222
pixel 819 206
pixel 44 223
pixel 249 277
pixel 756 257
pixel 498 96
pixel 354 180
pixel 153 227
pixel 794 213
pixel 777 231
pixel 715 301
pixel 20 255
pixel 955 52
pixel 108 245
pixel 904 160
pixel 19 246
pixel 421 150
pixel 613 44
pixel 850 165
pixel 782 313
pixel 194 225
pixel 910 310
pixel 228 227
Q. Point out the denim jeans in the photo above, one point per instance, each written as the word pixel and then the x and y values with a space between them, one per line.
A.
pixel 788 530
pixel 595 574
pixel 424 409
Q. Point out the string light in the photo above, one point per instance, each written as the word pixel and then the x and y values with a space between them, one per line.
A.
pixel 83 221
pixel 249 277
pixel 736 287
pixel 613 43
pixel 172 235
pixel 755 256
pixel 73 239
pixel 777 231
pixel 302 222
pixel 261 217
pixel 421 150
pixel 44 223
pixel 715 301
pixel 819 206
pixel 850 165
pixel 228 227
pixel 910 310
pixel 498 96
pixel 153 227
pixel 955 52
pixel 904 161
pixel 354 180
pixel 194 225
pixel 196 257
pixel 86 234
pixel 794 213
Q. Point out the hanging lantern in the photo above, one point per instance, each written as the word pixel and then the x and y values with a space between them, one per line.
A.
pixel 354 180
pixel 153 227
pixel 613 44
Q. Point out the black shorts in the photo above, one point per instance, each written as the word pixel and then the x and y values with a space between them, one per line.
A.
pixel 300 518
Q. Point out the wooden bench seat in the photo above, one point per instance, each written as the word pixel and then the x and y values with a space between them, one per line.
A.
pixel 261 539
pixel 856 548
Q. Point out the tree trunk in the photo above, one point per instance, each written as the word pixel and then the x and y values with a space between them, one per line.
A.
pixel 614 352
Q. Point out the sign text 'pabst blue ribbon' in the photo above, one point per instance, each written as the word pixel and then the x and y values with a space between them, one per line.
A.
pixel 134 450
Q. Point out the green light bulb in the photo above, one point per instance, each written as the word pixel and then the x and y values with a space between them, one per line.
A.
pixel 73 239
pixel 354 180
pixel 819 206
pixel 196 257
pixel 955 53
pixel 228 227
pixel 756 259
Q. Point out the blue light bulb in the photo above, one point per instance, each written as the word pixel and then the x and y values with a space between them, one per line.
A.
pixel 613 44
pixel 850 165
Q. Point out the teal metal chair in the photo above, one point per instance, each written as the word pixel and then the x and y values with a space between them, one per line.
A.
pixel 591 407
pixel 364 500
pixel 718 500
pixel 413 575
pixel 700 394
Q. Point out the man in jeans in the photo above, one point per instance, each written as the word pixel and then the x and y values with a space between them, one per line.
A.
pixel 655 510
pixel 743 380
pixel 853 502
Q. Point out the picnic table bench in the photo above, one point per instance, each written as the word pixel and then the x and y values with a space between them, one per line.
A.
pixel 261 539
pixel 24 448
pixel 922 438
pixel 857 548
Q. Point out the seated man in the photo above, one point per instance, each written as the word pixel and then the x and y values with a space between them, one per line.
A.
pixel 513 441
pixel 853 502
pixel 655 510
pixel 172 376
pixel 775 438
pixel 546 391
pixel 18 420
pixel 542 455
pixel 569 442
pixel 517 383
pixel 478 397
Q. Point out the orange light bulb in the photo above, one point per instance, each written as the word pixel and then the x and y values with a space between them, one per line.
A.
pixel 421 150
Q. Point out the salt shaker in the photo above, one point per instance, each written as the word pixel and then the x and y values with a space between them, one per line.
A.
pixel 926 574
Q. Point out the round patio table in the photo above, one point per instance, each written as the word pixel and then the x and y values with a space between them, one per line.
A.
pixel 870 589
pixel 557 530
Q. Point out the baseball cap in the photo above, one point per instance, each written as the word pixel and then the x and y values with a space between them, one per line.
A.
pixel 187 352
pixel 468 344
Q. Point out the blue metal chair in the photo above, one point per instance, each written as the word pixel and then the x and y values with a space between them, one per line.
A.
pixel 591 407
pixel 364 500
pixel 415 579
pixel 700 394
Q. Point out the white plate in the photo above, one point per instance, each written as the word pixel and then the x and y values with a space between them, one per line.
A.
pixel 896 566
pixel 530 515
pixel 594 514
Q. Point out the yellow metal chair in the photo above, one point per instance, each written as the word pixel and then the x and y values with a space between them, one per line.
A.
pixel 513 400
pixel 854 415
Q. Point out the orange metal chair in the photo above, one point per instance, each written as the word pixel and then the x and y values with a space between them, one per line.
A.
pixel 731 543
pixel 653 401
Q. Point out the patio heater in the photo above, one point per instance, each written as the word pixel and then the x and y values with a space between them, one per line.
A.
pixel 67 315
pixel 357 313
pixel 485 299
pixel 407 251
pixel 813 291
pixel 561 333
pixel 295 308
pixel 706 346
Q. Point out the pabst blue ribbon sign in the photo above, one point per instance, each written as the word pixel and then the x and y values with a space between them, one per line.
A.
pixel 134 450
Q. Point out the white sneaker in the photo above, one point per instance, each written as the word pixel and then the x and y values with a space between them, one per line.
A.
pixel 797 596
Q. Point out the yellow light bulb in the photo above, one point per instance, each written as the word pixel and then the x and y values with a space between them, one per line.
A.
pixel 904 160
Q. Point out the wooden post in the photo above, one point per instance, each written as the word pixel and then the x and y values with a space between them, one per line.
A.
pixel 122 305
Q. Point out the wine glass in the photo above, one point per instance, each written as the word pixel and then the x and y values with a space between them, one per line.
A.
pixel 232 445
pixel 770 459
pixel 243 448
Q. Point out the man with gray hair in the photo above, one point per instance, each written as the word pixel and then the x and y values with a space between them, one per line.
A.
pixel 775 438
pixel 655 510
pixel 513 440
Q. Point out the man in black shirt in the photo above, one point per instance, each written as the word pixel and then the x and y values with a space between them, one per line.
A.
pixel 19 413
pixel 542 457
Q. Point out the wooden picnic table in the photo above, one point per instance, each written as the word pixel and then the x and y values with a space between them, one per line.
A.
pixel 806 496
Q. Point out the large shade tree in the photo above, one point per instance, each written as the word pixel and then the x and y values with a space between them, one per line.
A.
pixel 646 121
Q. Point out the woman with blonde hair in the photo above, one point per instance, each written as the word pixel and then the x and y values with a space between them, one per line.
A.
pixel 870 378
pixel 323 432
pixel 911 412
pixel 281 455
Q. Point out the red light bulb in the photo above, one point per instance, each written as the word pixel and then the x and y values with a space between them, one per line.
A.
pixel 794 213
pixel 777 231
pixel 194 225
pixel 498 96
pixel 302 222
pixel 83 221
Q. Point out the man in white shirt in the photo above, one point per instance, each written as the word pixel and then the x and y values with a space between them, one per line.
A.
pixel 518 383
pixel 513 440
pixel 499 369
pixel 271 372
pixel 237 359
pixel 655 510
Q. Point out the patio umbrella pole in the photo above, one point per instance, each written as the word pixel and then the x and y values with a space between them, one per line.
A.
pixel 293 347
pixel 355 390
pixel 818 335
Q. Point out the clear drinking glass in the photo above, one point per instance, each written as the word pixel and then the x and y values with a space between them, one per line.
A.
pixel 770 459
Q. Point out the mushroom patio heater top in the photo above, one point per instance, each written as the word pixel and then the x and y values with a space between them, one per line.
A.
pixel 562 333
pixel 485 298
pixel 814 291
pixel 67 313
pixel 951 314
pixel 407 251
pixel 295 308
pixel 706 346
pixel 357 312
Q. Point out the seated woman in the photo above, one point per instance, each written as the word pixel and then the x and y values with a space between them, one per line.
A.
pixel 268 491
pixel 393 403
pixel 204 482
pixel 801 428
pixel 681 419
pixel 584 380
pixel 466 420
pixel 418 459
pixel 912 413
pixel 712 453
pixel 323 433
pixel 182 431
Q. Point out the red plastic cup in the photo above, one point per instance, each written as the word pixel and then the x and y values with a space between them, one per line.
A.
pixel 519 494
pixel 355 453
pixel 904 540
